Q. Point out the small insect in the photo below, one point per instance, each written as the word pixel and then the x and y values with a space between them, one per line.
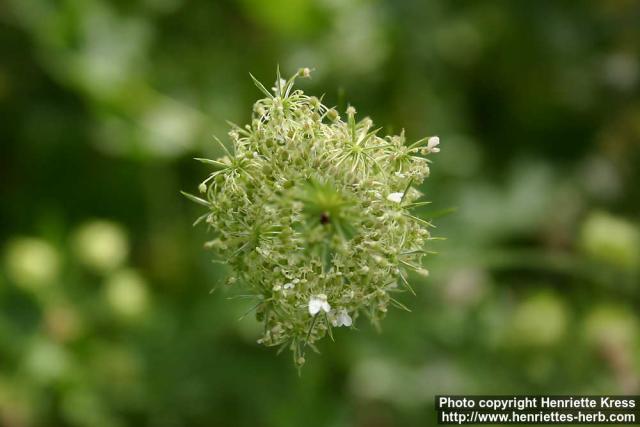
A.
pixel 324 218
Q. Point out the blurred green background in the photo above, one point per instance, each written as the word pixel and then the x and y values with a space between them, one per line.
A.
pixel 106 314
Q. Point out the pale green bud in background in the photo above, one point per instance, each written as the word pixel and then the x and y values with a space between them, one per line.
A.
pixel 611 326
pixel 540 320
pixel 611 240
pixel 32 263
pixel 126 293
pixel 101 245
pixel 46 361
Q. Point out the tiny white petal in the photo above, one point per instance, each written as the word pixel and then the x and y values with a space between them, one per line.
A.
pixel 433 142
pixel 342 319
pixel 395 197
pixel 314 306
pixel 326 307
pixel 283 82
pixel 317 303
pixel 346 319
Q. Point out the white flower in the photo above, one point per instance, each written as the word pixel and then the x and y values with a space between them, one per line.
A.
pixel 432 144
pixel 317 303
pixel 342 319
pixel 395 197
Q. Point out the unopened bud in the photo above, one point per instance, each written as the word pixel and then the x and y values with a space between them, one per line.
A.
pixel 304 72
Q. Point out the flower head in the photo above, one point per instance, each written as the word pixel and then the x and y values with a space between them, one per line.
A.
pixel 300 210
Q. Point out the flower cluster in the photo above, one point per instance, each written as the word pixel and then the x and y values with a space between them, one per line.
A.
pixel 314 215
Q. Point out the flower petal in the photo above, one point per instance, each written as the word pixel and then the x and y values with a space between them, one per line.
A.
pixel 325 306
pixel 314 306
pixel 344 319
pixel 395 197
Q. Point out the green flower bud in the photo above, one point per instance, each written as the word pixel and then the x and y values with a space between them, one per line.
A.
pixel 318 225
pixel 304 72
